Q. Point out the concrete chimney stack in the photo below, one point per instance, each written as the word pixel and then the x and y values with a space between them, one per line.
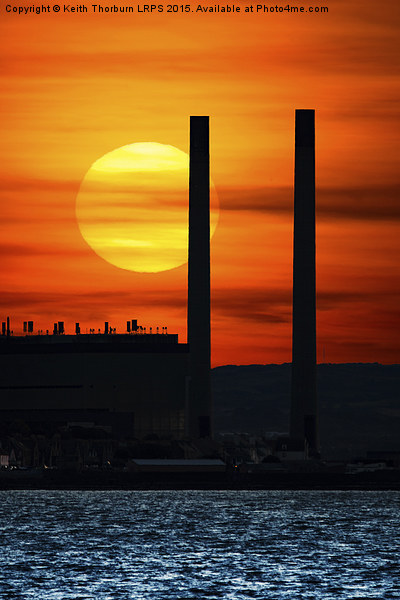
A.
pixel 304 414
pixel 199 405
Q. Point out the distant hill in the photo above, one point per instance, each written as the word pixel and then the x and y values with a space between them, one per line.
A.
pixel 359 404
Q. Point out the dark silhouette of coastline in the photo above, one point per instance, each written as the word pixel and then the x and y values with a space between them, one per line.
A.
pixel 360 421
pixel 103 480
pixel 358 404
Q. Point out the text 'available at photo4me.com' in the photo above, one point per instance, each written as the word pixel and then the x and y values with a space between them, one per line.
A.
pixel 107 9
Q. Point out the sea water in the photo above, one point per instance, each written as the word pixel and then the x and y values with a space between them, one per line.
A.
pixel 161 545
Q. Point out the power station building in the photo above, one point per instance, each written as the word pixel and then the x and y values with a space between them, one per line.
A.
pixel 130 384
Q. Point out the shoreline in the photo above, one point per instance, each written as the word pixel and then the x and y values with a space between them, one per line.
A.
pixel 108 480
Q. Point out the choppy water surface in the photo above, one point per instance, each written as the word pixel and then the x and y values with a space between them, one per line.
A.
pixel 109 545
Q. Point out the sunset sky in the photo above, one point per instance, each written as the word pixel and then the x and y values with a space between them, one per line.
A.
pixel 77 86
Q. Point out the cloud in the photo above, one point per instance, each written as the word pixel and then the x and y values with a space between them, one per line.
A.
pixel 32 184
pixel 50 249
pixel 264 305
pixel 372 203
pixel 367 46
pixel 243 303
pixel 98 301
pixel 259 305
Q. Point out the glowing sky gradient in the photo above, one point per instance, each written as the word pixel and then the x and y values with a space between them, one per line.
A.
pixel 75 87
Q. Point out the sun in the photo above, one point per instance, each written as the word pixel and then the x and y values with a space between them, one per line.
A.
pixel 132 207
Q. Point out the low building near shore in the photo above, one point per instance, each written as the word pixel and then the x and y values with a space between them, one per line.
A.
pixel 152 465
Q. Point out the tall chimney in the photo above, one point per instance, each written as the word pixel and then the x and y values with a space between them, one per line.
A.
pixel 304 414
pixel 200 407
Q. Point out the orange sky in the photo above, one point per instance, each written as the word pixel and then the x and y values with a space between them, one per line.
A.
pixel 76 86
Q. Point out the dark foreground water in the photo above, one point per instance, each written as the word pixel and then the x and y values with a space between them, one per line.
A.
pixel 109 545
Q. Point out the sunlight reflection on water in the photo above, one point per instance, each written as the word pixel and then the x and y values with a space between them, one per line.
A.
pixel 119 545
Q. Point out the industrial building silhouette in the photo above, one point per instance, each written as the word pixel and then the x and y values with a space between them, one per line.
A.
pixel 141 383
